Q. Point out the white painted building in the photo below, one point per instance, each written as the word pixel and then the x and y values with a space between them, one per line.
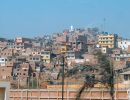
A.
pixel 128 92
pixel 123 44
pixel 3 61
pixel 46 56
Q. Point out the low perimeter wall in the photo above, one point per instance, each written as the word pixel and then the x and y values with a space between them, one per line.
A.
pixel 69 94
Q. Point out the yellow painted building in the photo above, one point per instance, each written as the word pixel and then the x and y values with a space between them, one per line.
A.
pixel 63 48
pixel 106 40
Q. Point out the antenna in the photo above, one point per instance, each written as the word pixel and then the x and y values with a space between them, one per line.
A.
pixel 104 24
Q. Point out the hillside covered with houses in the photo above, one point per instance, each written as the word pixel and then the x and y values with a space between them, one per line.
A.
pixel 37 62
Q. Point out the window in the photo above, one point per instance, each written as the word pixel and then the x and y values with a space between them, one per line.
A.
pixel 42 52
pixel 37 58
pixel 47 53
pixel 72 56
pixel 9 59
pixel 63 49
pixel 25 70
pixel 126 77
pixel 3 70
pixel 2 59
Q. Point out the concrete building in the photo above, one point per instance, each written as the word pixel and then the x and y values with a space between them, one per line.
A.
pixel 71 55
pixel 60 38
pixel 46 56
pixel 123 44
pixel 19 43
pixel 119 57
pixel 63 48
pixel 125 55
pixel 6 52
pixel 126 77
pixel 22 43
pixel 3 61
pixel 34 53
pixel 128 50
pixel 128 64
pixel 4 91
pixel 36 44
pixel 90 47
pixel 21 73
pixel 6 61
pixel 78 41
pixel 119 65
pixel 5 73
pixel 10 44
pixel 20 59
pixel 107 40
pixel 27 52
pixel 116 54
pixel 90 59
pixel 3 45
pixel 106 50
pixel 35 58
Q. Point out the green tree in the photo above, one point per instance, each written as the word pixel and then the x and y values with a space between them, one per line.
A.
pixel 105 69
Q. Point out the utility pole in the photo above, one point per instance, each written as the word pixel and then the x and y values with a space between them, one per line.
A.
pixel 32 81
pixel 27 86
pixel 63 60
pixel 128 92
pixel 104 24
pixel 112 79
pixel 18 82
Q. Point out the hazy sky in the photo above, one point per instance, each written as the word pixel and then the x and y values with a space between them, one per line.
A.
pixel 37 17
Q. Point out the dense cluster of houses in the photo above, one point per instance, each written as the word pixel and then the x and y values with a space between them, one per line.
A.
pixel 25 60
